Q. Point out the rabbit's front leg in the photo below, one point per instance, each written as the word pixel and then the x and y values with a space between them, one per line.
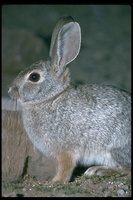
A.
pixel 65 166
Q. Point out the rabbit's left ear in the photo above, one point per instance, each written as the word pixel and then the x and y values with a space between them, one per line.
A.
pixel 66 47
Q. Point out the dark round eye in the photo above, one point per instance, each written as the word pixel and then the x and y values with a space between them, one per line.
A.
pixel 34 77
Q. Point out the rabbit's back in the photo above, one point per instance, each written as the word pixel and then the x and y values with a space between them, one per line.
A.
pixel 104 111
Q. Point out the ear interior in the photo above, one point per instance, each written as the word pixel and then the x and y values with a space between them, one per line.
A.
pixel 69 41
pixel 60 23
pixel 66 47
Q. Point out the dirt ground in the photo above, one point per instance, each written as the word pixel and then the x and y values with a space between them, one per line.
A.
pixel 115 185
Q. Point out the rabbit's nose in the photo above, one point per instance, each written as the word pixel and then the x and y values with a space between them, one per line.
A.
pixel 10 91
pixel 13 92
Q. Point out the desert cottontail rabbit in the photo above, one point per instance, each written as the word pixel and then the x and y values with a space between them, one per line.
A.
pixel 89 124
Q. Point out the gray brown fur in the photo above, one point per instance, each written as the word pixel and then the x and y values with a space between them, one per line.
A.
pixel 90 124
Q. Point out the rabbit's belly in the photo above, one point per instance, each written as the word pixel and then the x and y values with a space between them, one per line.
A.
pixel 102 158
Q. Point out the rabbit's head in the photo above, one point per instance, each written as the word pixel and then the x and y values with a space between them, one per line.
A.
pixel 46 79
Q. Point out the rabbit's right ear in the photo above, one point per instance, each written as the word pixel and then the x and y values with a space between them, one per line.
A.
pixel 65 45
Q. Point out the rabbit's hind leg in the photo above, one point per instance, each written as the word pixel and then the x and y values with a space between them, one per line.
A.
pixel 65 166
pixel 104 171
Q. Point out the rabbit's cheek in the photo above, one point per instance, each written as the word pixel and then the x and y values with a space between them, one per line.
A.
pixel 29 92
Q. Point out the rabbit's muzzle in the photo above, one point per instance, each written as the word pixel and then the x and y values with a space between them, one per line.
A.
pixel 13 92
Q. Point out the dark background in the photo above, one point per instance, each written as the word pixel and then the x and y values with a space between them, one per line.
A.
pixel 105 55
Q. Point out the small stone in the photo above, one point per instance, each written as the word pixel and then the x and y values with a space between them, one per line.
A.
pixel 62 195
pixel 125 187
pixel 111 187
pixel 12 194
pixel 26 188
pixel 121 192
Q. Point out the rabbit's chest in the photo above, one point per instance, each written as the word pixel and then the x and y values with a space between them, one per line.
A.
pixel 38 121
pixel 41 127
pixel 38 133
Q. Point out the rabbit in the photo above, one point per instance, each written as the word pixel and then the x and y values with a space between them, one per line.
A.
pixel 88 124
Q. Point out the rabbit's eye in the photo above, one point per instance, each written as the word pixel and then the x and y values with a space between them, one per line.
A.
pixel 34 77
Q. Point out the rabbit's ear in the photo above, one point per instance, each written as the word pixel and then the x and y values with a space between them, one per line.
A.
pixel 60 23
pixel 66 46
